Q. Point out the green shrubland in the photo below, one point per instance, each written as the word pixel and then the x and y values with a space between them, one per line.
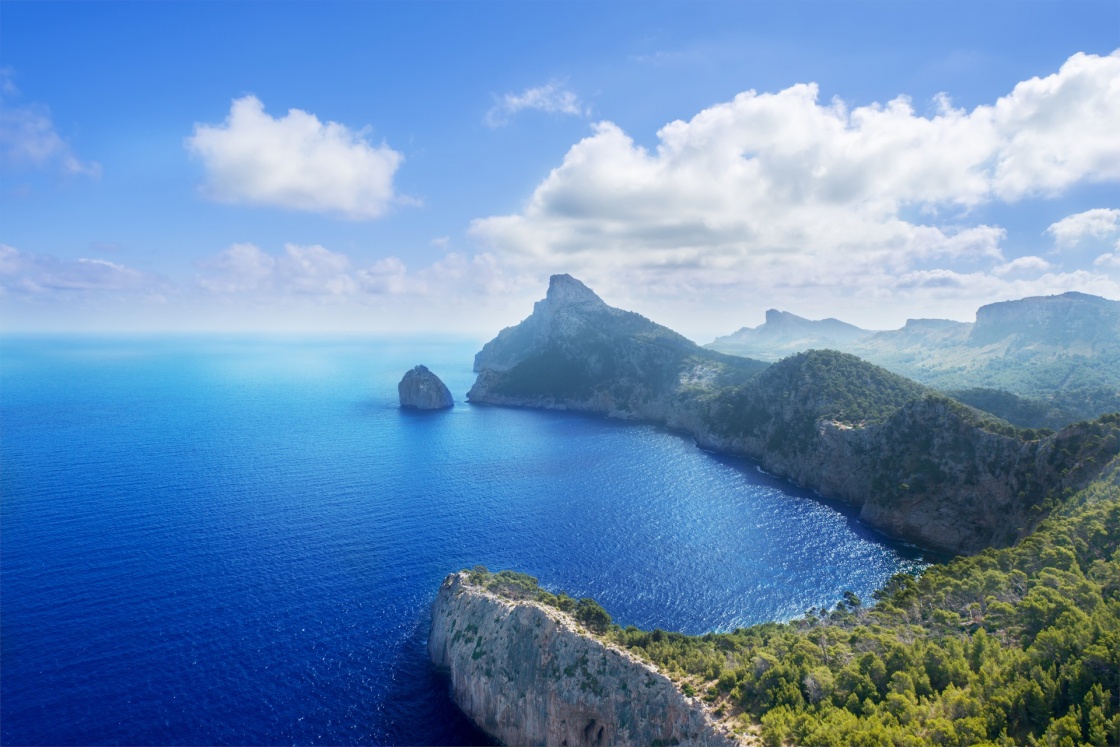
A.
pixel 1018 646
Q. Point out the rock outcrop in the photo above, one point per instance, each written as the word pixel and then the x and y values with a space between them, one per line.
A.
pixel 421 389
pixel 528 674
pixel 920 466
pixel 577 353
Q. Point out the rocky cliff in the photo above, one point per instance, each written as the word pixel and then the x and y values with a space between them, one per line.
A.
pixel 529 674
pixel 421 389
pixel 577 353
pixel 920 466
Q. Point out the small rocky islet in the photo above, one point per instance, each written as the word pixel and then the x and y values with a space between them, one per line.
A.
pixel 420 389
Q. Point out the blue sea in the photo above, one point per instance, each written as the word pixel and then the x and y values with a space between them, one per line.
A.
pixel 237 540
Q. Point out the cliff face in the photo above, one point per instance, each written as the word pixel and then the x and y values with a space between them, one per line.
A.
pixel 919 466
pixel 527 675
pixel 576 353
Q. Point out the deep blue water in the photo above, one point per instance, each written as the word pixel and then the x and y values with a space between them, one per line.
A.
pixel 236 541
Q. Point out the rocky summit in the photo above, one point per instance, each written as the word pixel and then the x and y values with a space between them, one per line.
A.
pixel 420 389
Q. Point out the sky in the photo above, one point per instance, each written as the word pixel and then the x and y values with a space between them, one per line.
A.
pixel 423 167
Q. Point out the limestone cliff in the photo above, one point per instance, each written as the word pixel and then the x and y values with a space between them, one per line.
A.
pixel 920 466
pixel 528 674
pixel 422 390
pixel 577 353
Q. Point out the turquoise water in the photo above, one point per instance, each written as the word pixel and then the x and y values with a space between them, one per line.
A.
pixel 236 541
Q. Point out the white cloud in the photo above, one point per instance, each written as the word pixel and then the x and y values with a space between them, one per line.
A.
pixel 28 138
pixel 1027 265
pixel 775 191
pixel 295 162
pixel 304 270
pixel 30 273
pixel 1097 223
pixel 552 98
pixel 1059 130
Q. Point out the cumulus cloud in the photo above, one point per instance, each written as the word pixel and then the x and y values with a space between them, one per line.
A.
pixel 295 162
pixel 552 98
pixel 29 140
pixel 30 273
pixel 1028 265
pixel 1098 223
pixel 782 190
pixel 305 270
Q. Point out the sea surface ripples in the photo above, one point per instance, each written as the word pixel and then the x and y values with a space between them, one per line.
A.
pixel 236 541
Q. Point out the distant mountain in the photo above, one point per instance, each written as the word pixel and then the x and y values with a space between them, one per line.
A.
pixel 784 333
pixel 919 465
pixel 1033 346
pixel 1058 355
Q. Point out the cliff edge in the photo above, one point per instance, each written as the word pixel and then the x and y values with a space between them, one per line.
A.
pixel 530 674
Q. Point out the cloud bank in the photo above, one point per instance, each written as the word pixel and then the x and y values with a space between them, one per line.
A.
pixel 781 190
pixel 295 162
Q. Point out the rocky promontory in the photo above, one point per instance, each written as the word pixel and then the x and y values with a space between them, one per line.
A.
pixel 530 674
pixel 420 389
pixel 919 466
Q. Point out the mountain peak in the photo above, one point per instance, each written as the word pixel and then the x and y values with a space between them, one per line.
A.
pixel 565 289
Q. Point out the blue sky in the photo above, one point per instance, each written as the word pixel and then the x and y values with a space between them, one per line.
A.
pixel 174 166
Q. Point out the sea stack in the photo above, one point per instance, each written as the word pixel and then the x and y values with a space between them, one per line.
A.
pixel 420 389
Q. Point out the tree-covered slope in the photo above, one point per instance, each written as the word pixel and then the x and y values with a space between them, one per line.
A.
pixel 1013 646
pixel 920 466
pixel 1019 646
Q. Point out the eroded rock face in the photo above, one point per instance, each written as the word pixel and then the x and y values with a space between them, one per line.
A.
pixel 421 389
pixel 527 675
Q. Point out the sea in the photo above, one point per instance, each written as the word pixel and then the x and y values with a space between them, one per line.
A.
pixel 237 540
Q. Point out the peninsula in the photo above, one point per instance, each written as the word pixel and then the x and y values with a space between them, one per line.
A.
pixel 920 466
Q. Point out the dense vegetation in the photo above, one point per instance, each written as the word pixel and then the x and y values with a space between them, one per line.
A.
pixel 1053 411
pixel 1012 646
pixel 798 392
